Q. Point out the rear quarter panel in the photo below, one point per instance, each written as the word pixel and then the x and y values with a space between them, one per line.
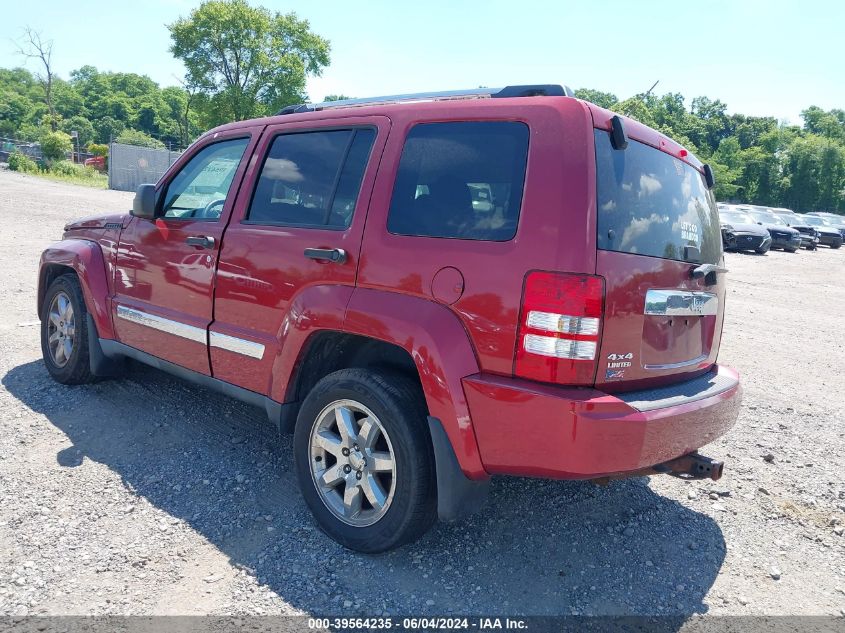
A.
pixel 556 229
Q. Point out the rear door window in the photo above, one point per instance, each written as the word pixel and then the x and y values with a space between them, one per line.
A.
pixel 650 203
pixel 312 178
pixel 460 180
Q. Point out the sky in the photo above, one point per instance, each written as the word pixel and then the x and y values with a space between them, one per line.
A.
pixel 760 57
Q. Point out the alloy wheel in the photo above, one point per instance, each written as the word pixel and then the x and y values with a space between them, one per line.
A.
pixel 61 329
pixel 352 463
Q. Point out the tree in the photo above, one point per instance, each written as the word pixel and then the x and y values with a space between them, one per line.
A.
pixel 602 99
pixel 247 60
pixel 340 97
pixel 55 146
pixel 107 129
pixel 134 137
pixel 36 48
pixel 82 126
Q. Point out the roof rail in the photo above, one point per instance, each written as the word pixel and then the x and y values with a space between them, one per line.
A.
pixel 539 90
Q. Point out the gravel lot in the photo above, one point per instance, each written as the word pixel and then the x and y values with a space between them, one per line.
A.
pixel 146 495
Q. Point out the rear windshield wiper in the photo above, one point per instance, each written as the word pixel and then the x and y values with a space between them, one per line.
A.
pixel 708 271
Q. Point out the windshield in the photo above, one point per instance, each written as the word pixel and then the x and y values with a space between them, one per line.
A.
pixel 737 218
pixel 768 218
pixel 815 220
pixel 650 203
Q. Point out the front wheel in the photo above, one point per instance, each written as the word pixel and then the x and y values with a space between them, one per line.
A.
pixel 364 459
pixel 64 332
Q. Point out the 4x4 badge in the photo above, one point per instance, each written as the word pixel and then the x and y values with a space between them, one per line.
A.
pixel 619 361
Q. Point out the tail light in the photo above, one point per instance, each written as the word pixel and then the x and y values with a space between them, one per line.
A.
pixel 560 325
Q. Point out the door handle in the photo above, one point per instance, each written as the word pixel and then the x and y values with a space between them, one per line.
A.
pixel 334 255
pixel 203 241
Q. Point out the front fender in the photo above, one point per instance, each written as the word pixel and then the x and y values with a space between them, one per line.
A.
pixel 440 347
pixel 86 259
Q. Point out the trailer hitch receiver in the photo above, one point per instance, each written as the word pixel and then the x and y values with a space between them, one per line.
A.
pixel 692 466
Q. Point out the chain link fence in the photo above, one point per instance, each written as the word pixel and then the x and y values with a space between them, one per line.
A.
pixel 130 165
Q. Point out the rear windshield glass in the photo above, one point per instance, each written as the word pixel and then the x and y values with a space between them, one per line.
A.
pixel 650 203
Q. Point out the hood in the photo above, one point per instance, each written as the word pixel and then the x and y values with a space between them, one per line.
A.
pixel 827 230
pixel 798 224
pixel 751 229
pixel 779 228
pixel 108 221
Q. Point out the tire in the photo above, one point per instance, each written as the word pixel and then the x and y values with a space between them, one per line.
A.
pixel 836 245
pixel 761 250
pixel 409 491
pixel 71 367
pixel 790 250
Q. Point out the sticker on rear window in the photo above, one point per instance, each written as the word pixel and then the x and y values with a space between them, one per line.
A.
pixel 689 232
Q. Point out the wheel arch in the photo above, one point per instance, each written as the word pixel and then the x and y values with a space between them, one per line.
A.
pixel 85 259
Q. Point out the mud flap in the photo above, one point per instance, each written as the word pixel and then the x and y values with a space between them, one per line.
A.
pixel 102 366
pixel 457 495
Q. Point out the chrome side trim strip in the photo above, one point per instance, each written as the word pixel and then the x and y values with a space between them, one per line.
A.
pixel 685 363
pixel 183 330
pixel 680 303
pixel 236 345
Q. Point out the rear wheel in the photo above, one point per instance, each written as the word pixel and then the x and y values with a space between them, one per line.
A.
pixel 364 459
pixel 790 249
pixel 64 332
pixel 836 245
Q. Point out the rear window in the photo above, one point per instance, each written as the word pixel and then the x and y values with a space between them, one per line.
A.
pixel 650 203
pixel 460 180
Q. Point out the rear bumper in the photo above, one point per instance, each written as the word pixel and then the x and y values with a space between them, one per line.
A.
pixel 536 430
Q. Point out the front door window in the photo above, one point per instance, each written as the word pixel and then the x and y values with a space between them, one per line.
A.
pixel 199 190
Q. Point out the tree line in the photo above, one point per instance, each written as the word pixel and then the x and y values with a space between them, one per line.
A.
pixel 244 61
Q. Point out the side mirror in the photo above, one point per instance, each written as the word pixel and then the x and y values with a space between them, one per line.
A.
pixel 144 204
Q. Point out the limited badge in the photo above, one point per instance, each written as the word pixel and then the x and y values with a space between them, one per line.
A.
pixel 619 361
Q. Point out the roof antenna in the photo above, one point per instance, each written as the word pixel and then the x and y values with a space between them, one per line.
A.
pixel 648 92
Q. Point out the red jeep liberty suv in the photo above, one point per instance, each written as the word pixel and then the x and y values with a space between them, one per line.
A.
pixel 427 290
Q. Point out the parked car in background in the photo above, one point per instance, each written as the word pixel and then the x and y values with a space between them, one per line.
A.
pixel 783 236
pixel 728 238
pixel 835 220
pixel 749 236
pixel 427 290
pixel 829 235
pixel 97 162
pixel 809 236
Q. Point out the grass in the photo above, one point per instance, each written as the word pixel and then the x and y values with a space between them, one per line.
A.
pixel 99 181
pixel 95 180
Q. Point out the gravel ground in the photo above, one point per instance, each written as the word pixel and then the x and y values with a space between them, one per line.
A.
pixel 146 495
